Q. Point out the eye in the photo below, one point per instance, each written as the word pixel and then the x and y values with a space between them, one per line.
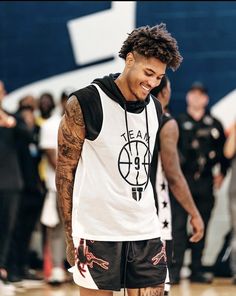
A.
pixel 148 74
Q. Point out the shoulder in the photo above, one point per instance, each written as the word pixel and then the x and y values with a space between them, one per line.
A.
pixel 169 128
pixel 166 117
pixel 212 121
pixel 87 94
pixel 88 99
pixel 217 121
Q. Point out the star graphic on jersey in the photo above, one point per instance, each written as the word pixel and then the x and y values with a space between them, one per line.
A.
pixel 165 224
pixel 163 186
pixel 164 204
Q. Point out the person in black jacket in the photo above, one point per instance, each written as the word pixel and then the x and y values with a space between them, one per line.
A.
pixel 12 128
pixel 32 195
pixel 201 141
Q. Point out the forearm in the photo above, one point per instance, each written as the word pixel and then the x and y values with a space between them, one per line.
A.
pixel 64 184
pixel 71 135
pixel 67 161
pixel 182 194
pixel 172 169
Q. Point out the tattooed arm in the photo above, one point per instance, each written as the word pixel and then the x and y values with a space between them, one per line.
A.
pixel 71 135
pixel 170 160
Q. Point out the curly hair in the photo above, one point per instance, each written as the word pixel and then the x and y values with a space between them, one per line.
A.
pixel 154 42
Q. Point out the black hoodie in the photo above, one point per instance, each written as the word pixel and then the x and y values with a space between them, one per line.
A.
pixel 90 103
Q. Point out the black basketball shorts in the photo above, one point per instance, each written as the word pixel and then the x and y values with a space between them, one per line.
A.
pixel 115 265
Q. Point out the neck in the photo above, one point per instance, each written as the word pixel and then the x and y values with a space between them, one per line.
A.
pixel 121 82
pixel 196 114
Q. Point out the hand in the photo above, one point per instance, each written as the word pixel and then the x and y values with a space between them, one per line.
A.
pixel 70 253
pixel 6 120
pixel 3 117
pixel 218 180
pixel 198 228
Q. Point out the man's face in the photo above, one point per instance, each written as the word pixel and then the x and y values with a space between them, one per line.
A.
pixel 143 74
pixel 29 101
pixel 197 99
pixel 45 105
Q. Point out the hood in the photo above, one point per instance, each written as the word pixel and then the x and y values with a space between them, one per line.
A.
pixel 108 85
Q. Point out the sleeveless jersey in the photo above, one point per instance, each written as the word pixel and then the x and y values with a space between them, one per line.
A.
pixel 164 209
pixel 162 190
pixel 112 197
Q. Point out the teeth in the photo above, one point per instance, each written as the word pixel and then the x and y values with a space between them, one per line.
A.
pixel 145 88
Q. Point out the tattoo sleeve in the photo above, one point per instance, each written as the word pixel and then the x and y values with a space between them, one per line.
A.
pixel 71 135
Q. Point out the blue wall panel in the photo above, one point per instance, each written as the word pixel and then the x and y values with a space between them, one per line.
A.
pixel 206 36
pixel 34 41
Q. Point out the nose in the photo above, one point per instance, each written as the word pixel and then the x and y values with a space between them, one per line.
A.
pixel 153 82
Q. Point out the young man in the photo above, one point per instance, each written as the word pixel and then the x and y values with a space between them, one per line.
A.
pixel 54 235
pixel 166 172
pixel 105 146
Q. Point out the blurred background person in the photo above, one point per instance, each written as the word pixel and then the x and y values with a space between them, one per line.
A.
pixel 201 141
pixel 230 153
pixel 50 214
pixel 46 106
pixel 32 196
pixel 28 101
pixel 12 129
pixel 166 172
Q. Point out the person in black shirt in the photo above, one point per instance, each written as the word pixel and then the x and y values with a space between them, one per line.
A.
pixel 12 128
pixel 32 195
pixel 201 141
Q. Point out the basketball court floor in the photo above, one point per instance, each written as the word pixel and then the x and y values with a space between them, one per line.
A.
pixel 219 287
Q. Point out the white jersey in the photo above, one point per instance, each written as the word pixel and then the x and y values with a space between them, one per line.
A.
pixel 113 199
pixel 48 140
pixel 164 208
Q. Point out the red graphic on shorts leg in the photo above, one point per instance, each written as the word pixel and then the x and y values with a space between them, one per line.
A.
pixel 87 258
pixel 162 254
pixel 91 259
pixel 79 264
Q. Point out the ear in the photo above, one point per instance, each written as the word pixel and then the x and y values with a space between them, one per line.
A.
pixel 164 91
pixel 129 59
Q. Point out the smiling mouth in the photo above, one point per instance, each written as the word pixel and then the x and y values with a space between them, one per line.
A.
pixel 145 88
